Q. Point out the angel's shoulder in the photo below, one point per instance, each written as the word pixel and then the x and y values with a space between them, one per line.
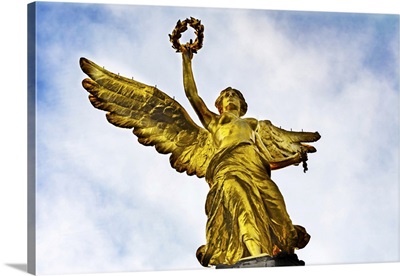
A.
pixel 253 122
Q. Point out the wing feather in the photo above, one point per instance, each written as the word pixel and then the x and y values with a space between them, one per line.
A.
pixel 282 143
pixel 156 119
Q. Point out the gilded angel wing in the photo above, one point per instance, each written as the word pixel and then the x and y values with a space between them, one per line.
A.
pixel 283 143
pixel 157 119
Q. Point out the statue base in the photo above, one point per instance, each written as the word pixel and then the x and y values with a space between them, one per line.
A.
pixel 282 259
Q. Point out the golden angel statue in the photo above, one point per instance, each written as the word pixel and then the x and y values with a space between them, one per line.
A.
pixel 246 213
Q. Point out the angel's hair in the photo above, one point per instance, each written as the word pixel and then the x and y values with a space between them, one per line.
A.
pixel 243 104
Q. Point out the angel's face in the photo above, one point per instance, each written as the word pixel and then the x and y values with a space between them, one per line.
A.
pixel 230 101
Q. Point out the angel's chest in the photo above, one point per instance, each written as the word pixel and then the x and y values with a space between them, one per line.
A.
pixel 235 129
pixel 229 120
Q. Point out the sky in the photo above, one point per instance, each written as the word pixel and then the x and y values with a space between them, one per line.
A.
pixel 106 203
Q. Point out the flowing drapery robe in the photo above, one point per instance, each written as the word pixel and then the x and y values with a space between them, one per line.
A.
pixel 243 204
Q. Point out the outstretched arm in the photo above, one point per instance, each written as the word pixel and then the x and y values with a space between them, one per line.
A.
pixel 205 115
pixel 281 162
pixel 285 162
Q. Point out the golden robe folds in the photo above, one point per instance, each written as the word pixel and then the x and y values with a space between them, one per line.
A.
pixel 244 204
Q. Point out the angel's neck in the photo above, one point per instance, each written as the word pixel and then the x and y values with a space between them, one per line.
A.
pixel 228 112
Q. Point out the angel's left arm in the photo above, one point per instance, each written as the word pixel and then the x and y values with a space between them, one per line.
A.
pixel 275 163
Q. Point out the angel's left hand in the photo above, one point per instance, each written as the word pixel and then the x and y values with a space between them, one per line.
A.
pixel 303 156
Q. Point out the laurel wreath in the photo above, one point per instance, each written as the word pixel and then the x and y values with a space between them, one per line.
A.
pixel 182 26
